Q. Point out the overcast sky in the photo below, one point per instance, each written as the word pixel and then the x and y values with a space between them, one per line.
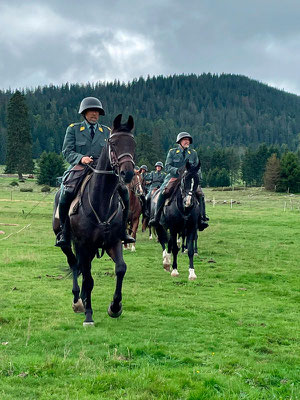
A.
pixel 58 41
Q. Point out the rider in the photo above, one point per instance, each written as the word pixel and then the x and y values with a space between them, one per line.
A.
pixel 155 179
pixel 143 172
pixel 176 160
pixel 83 143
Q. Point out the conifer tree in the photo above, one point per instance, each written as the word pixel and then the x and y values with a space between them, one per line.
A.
pixel 19 143
pixel 51 166
pixel 289 180
pixel 272 173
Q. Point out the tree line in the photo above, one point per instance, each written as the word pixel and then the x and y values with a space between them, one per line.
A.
pixel 222 165
pixel 217 110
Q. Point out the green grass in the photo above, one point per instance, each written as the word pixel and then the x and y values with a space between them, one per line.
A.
pixel 231 334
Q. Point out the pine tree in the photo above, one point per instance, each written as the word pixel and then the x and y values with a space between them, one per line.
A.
pixel 19 144
pixel 272 173
pixel 51 166
pixel 289 180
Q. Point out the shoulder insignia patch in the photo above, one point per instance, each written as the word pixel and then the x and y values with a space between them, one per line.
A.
pixel 71 125
pixel 82 128
pixel 189 152
pixel 193 150
pixel 177 151
pixel 100 129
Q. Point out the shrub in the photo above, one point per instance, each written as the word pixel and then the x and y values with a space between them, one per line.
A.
pixel 14 183
pixel 46 188
pixel 26 190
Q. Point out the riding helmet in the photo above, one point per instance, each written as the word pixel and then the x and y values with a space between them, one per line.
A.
pixel 159 164
pixel 182 135
pixel 91 103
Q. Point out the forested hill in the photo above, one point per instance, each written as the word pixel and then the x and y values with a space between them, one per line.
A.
pixel 218 110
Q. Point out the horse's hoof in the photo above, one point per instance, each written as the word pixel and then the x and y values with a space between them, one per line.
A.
pixel 133 248
pixel 88 323
pixel 114 314
pixel 192 275
pixel 196 254
pixel 167 268
pixel 174 273
pixel 78 307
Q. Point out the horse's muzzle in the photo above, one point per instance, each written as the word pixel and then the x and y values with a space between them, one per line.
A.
pixel 127 176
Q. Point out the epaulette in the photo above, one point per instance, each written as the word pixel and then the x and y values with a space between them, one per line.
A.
pixel 75 123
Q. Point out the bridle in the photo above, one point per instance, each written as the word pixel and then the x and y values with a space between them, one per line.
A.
pixel 116 160
pixel 187 194
pixel 136 188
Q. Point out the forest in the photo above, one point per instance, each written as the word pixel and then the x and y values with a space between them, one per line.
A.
pixel 227 115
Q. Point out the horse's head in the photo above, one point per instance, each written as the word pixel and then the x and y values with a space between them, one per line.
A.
pixel 122 148
pixel 189 184
pixel 136 185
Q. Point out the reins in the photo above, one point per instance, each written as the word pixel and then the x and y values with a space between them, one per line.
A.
pixel 115 162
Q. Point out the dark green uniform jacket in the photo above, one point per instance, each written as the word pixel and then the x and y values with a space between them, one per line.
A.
pixel 176 159
pixel 79 143
pixel 156 179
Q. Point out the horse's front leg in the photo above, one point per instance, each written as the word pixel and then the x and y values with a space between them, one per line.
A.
pixel 172 246
pixel 84 257
pixel 190 246
pixel 115 252
pixel 135 225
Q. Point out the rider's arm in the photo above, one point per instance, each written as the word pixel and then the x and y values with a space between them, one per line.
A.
pixel 69 147
pixel 168 165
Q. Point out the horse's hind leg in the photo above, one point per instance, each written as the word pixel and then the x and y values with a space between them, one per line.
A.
pixel 115 307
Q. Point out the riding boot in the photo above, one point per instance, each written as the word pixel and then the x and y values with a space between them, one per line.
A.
pixel 202 220
pixel 63 237
pixel 147 206
pixel 123 192
pixel 159 208
pixel 144 207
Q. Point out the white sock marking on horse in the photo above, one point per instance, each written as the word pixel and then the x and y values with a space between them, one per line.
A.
pixel 192 275
pixel 175 273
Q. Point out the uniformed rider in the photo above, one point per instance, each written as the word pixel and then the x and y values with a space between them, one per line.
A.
pixel 82 144
pixel 175 161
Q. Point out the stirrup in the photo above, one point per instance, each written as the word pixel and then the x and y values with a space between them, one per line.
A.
pixel 61 241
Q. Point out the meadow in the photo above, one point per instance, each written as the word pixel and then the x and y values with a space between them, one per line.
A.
pixel 231 334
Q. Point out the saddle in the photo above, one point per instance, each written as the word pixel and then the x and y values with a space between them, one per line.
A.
pixel 77 201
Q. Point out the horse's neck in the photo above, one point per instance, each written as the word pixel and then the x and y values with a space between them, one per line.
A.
pixel 103 186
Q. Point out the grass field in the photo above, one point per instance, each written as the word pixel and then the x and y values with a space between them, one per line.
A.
pixel 231 334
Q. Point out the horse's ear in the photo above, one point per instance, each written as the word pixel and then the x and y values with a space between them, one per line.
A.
pixel 117 122
pixel 130 123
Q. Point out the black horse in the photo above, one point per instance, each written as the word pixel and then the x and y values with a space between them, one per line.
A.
pixel 97 223
pixel 180 219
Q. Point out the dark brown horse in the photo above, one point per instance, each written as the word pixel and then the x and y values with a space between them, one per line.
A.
pixel 97 224
pixel 135 192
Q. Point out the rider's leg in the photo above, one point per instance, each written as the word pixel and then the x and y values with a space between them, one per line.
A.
pixel 65 200
pixel 202 222
pixel 123 192
pixel 159 207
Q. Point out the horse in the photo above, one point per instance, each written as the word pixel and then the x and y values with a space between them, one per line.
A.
pixel 180 219
pixel 135 192
pixel 97 223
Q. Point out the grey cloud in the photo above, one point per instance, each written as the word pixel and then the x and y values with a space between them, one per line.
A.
pixel 55 42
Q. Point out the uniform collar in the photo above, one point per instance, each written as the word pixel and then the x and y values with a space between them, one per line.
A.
pixel 88 125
